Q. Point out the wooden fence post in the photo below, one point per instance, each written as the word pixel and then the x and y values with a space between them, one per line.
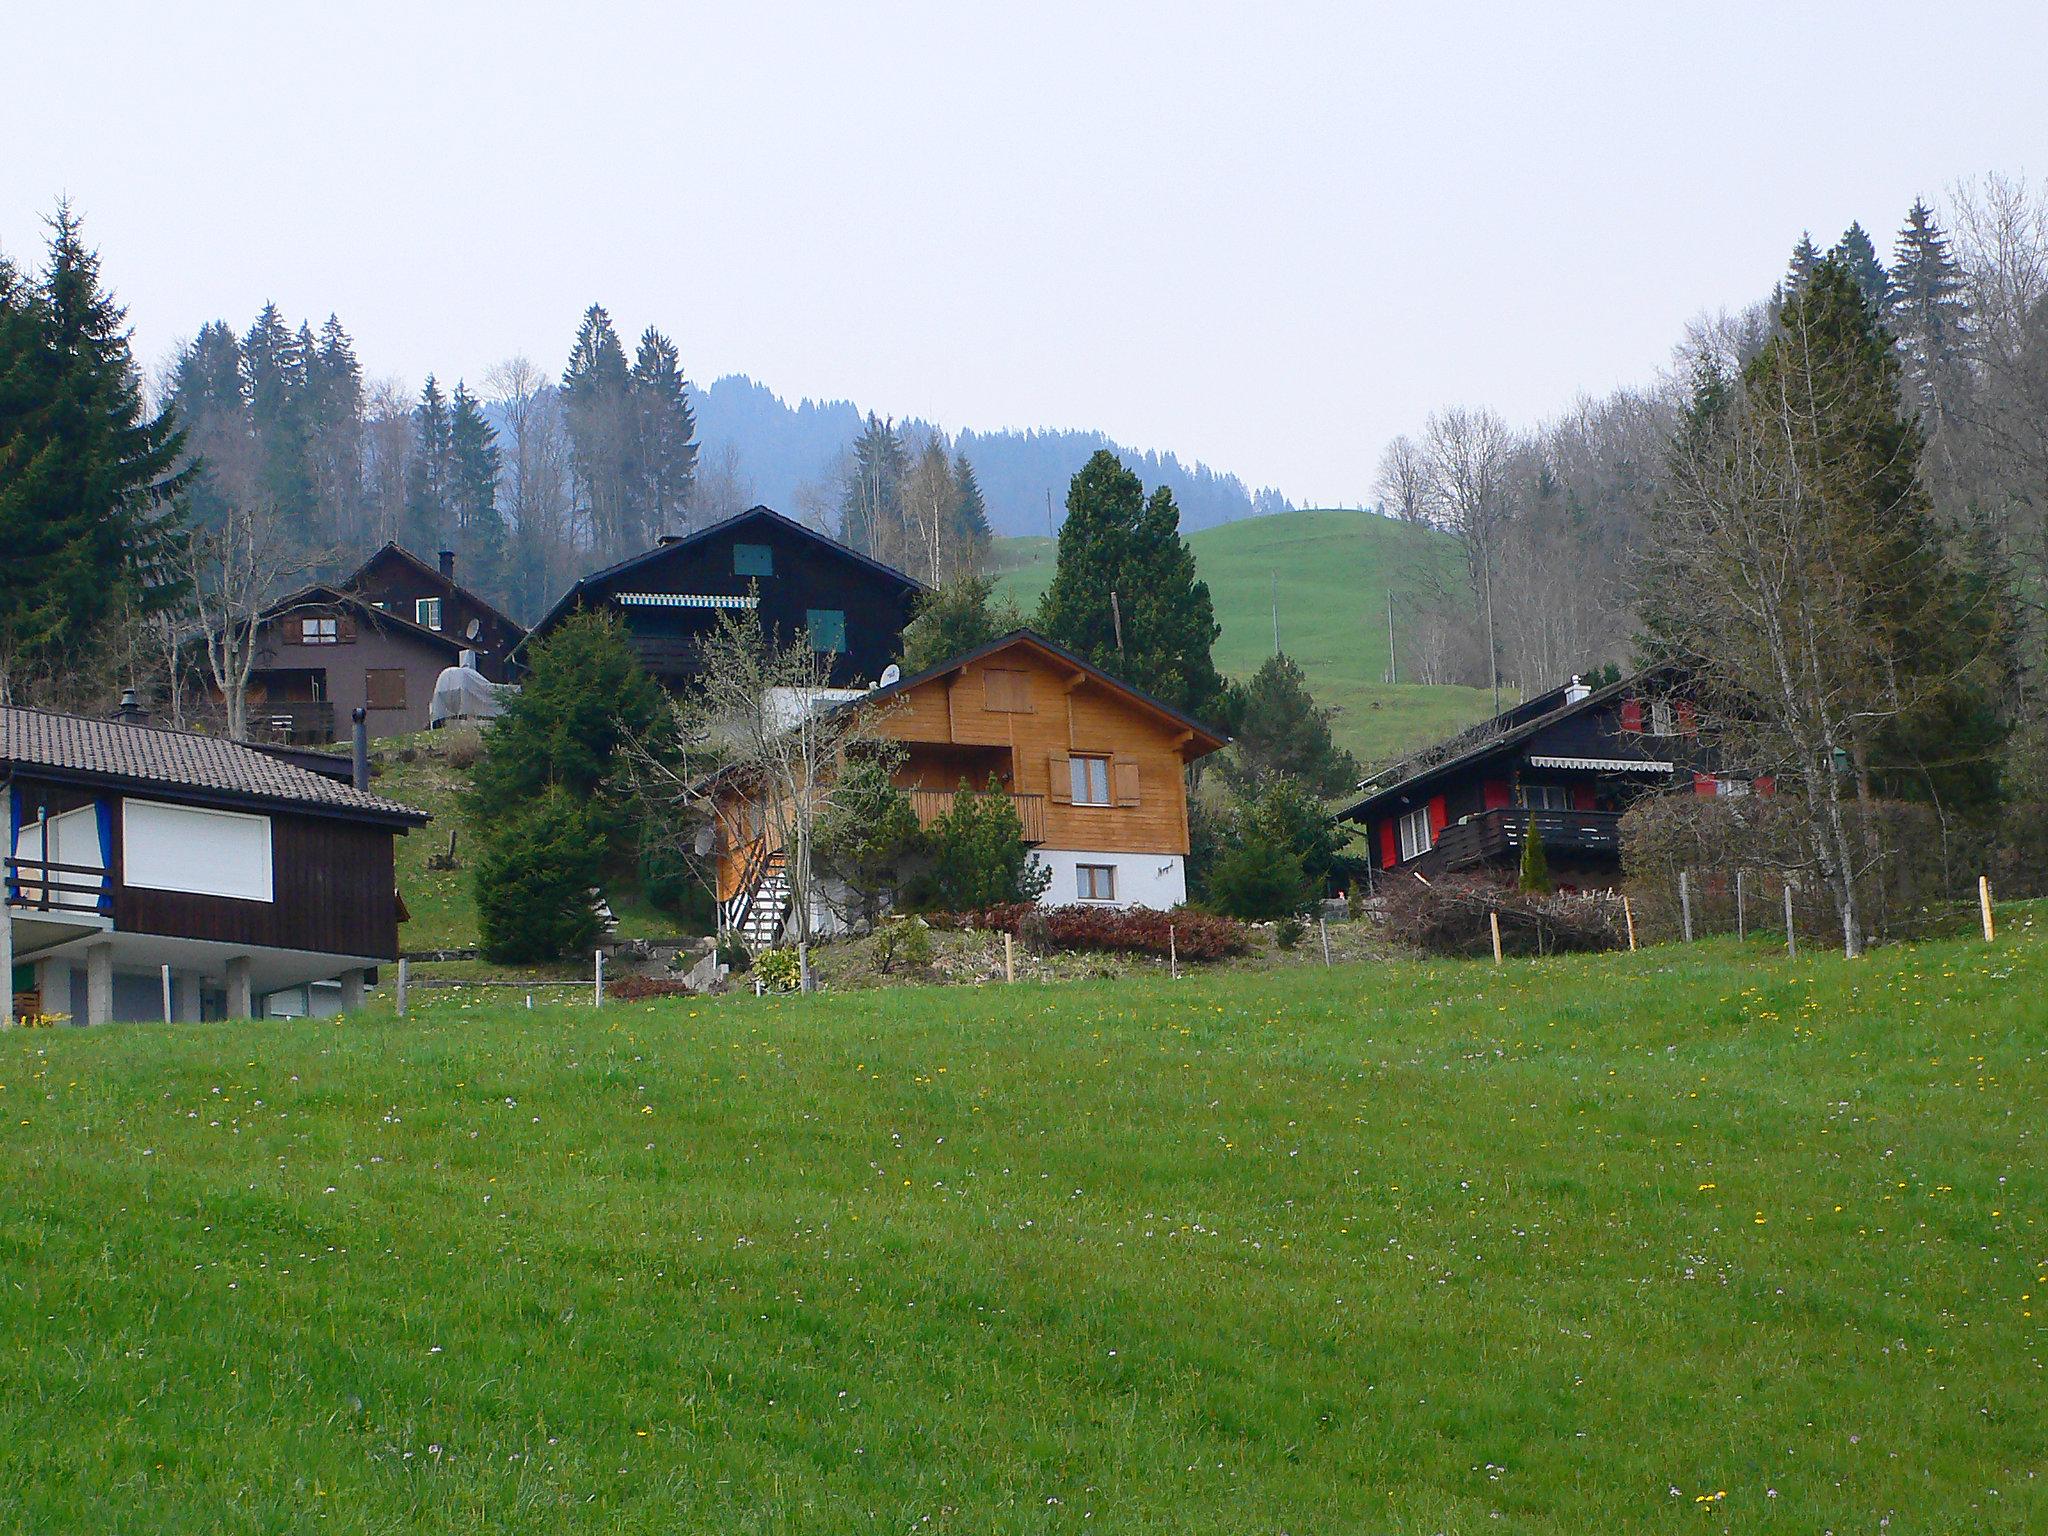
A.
pixel 1791 938
pixel 597 979
pixel 1741 917
pixel 402 978
pixel 1172 953
pixel 1324 924
pixel 1984 906
pixel 1628 916
pixel 1009 956
pixel 167 994
pixel 1493 921
pixel 1685 904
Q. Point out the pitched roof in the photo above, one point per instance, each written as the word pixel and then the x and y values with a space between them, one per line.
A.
pixel 725 525
pixel 1508 729
pixel 200 767
pixel 320 593
pixel 433 572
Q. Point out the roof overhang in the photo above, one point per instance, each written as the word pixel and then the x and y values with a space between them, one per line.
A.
pixel 1600 764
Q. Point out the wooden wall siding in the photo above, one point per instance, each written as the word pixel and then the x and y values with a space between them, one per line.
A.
pixel 333 882
pixel 346 669
pixel 393 580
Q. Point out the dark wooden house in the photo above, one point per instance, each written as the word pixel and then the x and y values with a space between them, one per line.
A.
pixel 800 585
pixel 395 580
pixel 1568 762
pixel 152 873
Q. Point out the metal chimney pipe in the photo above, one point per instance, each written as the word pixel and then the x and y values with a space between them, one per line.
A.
pixel 360 767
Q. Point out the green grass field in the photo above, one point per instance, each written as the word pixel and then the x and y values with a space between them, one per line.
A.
pixel 1331 569
pixel 1696 1239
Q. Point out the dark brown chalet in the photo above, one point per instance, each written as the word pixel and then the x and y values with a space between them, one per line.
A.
pixel 1571 761
pixel 799 584
pixel 159 874
pixel 397 581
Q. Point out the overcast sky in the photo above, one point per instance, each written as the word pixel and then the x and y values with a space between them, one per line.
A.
pixel 1266 236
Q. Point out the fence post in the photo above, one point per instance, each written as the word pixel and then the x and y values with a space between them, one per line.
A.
pixel 1984 906
pixel 1009 956
pixel 597 979
pixel 1685 904
pixel 1324 924
pixel 1741 923
pixel 167 994
pixel 1628 915
pixel 1172 953
pixel 1493 922
pixel 1791 938
pixel 402 979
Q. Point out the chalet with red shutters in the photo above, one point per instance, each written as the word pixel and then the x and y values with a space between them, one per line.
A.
pixel 1567 763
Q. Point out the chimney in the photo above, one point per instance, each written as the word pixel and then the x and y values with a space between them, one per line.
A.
pixel 359 766
pixel 131 711
pixel 1576 691
pixel 447 565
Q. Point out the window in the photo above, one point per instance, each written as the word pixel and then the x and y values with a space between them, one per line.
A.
pixel 428 612
pixel 1090 780
pixel 1546 797
pixel 1006 692
pixel 828 629
pixel 325 631
pixel 1731 787
pixel 1095 882
pixel 203 853
pixel 1662 722
pixel 753 560
pixel 1415 838
pixel 384 688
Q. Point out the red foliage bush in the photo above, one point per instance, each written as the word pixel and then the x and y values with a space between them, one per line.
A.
pixel 634 989
pixel 1127 930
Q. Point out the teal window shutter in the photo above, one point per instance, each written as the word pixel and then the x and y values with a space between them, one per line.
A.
pixel 753 560
pixel 828 629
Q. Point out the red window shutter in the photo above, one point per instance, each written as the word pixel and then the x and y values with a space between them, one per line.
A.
pixel 1632 715
pixel 1703 784
pixel 1766 785
pixel 1496 795
pixel 1439 817
pixel 1688 718
pixel 1583 798
pixel 1390 845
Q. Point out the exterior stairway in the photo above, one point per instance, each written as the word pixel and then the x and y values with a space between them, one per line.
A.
pixel 759 911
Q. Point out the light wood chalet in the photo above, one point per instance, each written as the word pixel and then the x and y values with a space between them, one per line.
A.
pixel 1095 767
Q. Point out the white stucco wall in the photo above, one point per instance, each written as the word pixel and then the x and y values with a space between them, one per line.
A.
pixel 1157 880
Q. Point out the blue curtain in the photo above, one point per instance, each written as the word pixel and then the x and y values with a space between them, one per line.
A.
pixel 104 814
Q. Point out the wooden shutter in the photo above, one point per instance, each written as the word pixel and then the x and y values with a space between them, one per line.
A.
pixel 1688 720
pixel 384 687
pixel 345 629
pixel 294 630
pixel 1125 773
pixel 1632 715
pixel 1061 770
pixel 1703 784
pixel 1439 818
pixel 1496 795
pixel 1390 845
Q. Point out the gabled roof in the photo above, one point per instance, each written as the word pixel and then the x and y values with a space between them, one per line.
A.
pixel 1211 740
pixel 585 585
pixel 1508 729
pixel 433 573
pixel 206 768
pixel 320 594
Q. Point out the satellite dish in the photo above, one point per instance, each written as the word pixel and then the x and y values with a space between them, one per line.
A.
pixel 891 675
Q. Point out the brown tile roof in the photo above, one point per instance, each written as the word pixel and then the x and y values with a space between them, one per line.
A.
pixel 180 760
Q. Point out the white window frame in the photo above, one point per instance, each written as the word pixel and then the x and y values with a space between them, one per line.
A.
pixel 427 612
pixel 325 630
pixel 1415 835
pixel 1081 774
pixel 1085 882
pixel 1663 718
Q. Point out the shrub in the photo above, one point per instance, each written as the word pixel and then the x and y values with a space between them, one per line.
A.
pixel 870 835
pixel 1259 880
pixel 1450 917
pixel 462 746
pixel 903 941
pixel 780 970
pixel 634 989
pixel 733 953
pixel 672 883
pixel 1534 876
pixel 1131 931
pixel 534 882
pixel 979 856
pixel 1289 932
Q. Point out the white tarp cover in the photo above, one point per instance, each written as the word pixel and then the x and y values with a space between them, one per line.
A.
pixel 463 693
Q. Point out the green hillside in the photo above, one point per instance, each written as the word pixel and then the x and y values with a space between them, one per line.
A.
pixel 1691 1240
pixel 1330 570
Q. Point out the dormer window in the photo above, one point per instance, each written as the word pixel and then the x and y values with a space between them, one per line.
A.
pixel 1663 722
pixel 427 612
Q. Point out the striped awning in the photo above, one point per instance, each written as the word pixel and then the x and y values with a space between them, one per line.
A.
pixel 1601 764
pixel 685 600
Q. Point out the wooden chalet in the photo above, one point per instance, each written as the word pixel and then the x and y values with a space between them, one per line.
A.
pixel 395 580
pixel 159 874
pixel 1095 768
pixel 1568 762
pixel 796 582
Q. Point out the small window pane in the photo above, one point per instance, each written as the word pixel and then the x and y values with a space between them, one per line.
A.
pixel 1096 882
pixel 1415 833
pixel 753 560
pixel 828 629
pixel 428 612
pixel 1090 780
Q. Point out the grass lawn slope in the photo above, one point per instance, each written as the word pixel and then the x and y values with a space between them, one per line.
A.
pixel 1697 1239
pixel 1332 569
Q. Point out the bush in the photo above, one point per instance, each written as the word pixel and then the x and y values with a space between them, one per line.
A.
pixel 1289 932
pixel 1259 880
pixel 903 941
pixel 780 970
pixel 534 882
pixel 1451 917
pixel 979 856
pixel 634 989
pixel 672 883
pixel 733 953
pixel 1130 931
pixel 462 746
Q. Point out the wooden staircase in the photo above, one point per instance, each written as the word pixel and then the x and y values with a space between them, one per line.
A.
pixel 761 907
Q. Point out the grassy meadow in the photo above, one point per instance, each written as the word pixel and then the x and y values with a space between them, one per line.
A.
pixel 1331 569
pixel 1695 1239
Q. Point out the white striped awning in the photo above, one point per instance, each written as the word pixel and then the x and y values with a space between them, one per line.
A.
pixel 686 600
pixel 1601 764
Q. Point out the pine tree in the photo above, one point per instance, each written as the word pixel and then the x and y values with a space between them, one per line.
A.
pixel 274 383
pixel 871 502
pixel 1805 257
pixel 429 522
pixel 91 486
pixel 206 391
pixel 1125 594
pixel 1278 731
pixel 665 458
pixel 971 535
pixel 597 408
pixel 334 414
pixel 473 461
pixel 1858 255
pixel 1930 314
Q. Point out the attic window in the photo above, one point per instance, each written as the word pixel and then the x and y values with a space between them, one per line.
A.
pixel 325 631
pixel 753 560
pixel 428 612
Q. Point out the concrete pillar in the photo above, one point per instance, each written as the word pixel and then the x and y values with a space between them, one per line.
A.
pixel 185 996
pixel 351 991
pixel 53 980
pixel 99 982
pixel 240 1004
pixel 6 964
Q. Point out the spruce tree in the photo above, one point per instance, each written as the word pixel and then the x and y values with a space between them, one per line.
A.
pixel 1124 593
pixel 429 521
pixel 274 383
pixel 597 408
pixel 971 534
pixel 1805 257
pixel 1858 255
pixel 1278 731
pixel 1930 315
pixel 334 415
pixel 91 485
pixel 473 461
pixel 207 393
pixel 665 457
pixel 871 501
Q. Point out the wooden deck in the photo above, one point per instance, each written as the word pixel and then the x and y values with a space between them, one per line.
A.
pixel 1496 836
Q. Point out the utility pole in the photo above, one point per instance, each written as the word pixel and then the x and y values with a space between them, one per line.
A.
pixel 1393 669
pixel 1048 513
pixel 1276 611
pixel 1116 618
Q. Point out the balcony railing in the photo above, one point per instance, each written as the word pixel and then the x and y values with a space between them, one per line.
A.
pixel 1498 835
pixel 42 885
pixel 931 804
pixel 294 720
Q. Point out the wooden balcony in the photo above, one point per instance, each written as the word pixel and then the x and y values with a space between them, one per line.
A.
pixel 1495 837
pixel 42 885
pixel 931 804
pixel 293 720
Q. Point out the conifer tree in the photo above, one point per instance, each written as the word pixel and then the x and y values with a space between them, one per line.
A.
pixel 1858 255
pixel 1278 731
pixel 473 461
pixel 334 410
pixel 665 459
pixel 274 384
pixel 1805 257
pixel 971 535
pixel 428 519
pixel 597 408
pixel 206 390
pixel 1124 593
pixel 871 502
pixel 1930 314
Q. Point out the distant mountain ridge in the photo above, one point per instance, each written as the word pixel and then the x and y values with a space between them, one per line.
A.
pixel 790 454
